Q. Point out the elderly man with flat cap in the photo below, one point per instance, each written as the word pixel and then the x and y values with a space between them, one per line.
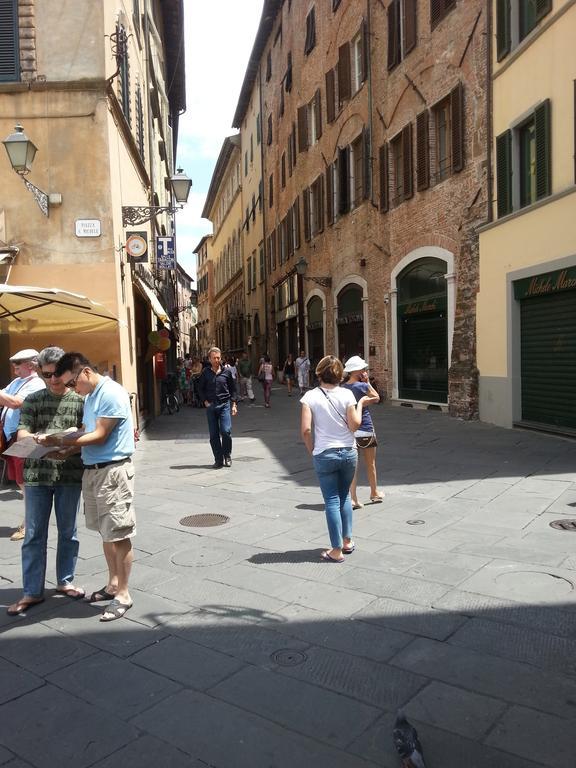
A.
pixel 25 382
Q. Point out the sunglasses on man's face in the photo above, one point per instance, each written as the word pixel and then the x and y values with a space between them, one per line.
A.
pixel 49 374
pixel 72 383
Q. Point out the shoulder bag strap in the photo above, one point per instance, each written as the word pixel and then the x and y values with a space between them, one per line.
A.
pixel 334 407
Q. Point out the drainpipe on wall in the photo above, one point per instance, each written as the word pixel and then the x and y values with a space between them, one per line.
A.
pixel 489 116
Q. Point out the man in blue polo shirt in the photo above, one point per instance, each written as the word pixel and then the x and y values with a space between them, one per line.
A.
pixel 217 390
pixel 107 445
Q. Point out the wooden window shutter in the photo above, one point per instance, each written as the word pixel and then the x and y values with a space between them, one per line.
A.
pixel 504 173
pixel 344 72
pixel 288 78
pixel 503 29
pixel 542 8
pixel 290 232
pixel 269 137
pixel 303 128
pixel 268 66
pixel 310 41
pixel 365 50
pixel 384 196
pixel 9 51
pixel 318 111
pixel 329 196
pixel 306 208
pixel 330 102
pixel 407 153
pixel 543 139
pixel 393 29
pixel 344 180
pixel 320 185
pixel 289 153
pixel 457 110
pixel 410 25
pixel 366 165
pixel 422 151
pixel 271 190
pixel 436 11
pixel 296 208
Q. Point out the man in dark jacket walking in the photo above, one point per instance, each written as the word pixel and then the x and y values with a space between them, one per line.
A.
pixel 217 389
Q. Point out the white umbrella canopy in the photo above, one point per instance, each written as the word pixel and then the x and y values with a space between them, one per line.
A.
pixel 30 310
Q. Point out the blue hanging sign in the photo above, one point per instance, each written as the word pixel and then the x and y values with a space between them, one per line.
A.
pixel 165 253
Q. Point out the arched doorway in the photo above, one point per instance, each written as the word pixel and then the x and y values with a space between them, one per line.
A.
pixel 350 322
pixel 315 328
pixel 423 331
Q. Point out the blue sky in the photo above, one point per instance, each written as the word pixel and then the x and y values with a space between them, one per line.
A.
pixel 219 37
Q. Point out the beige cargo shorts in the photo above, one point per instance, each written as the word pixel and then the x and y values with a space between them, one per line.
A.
pixel 109 500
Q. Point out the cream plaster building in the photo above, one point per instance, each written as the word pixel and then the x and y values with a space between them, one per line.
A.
pixel 205 276
pixel 103 113
pixel 248 119
pixel 526 321
pixel 223 207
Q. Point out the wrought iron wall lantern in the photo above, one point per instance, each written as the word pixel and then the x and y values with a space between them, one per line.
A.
pixel 140 214
pixel 301 267
pixel 21 152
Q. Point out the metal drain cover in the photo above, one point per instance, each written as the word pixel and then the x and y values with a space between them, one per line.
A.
pixel 248 458
pixel 204 521
pixel 563 525
pixel 287 658
pixel 415 522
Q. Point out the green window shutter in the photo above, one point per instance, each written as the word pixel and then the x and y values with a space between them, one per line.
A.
pixel 457 110
pixel 504 172
pixel 344 180
pixel 407 156
pixel 9 53
pixel 542 130
pixel 503 31
pixel 542 8
pixel 422 151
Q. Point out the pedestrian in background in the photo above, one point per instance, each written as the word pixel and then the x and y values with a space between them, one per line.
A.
pixel 335 415
pixel 266 376
pixel 55 480
pixel 365 436
pixel 245 372
pixel 217 388
pixel 25 382
pixel 302 364
pixel 289 372
pixel 107 444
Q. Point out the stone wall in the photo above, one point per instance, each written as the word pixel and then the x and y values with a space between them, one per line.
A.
pixel 27 34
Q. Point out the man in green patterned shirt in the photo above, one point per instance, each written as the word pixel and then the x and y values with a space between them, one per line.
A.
pixel 55 479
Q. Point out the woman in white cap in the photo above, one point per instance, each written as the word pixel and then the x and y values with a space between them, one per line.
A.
pixel 365 435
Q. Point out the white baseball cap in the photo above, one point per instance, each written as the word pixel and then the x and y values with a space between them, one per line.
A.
pixel 24 355
pixel 355 364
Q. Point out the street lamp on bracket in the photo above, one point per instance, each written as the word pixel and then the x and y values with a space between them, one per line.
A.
pixel 21 152
pixel 301 267
pixel 140 214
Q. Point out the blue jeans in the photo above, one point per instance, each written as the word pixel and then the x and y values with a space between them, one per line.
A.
pixel 220 426
pixel 335 468
pixel 38 501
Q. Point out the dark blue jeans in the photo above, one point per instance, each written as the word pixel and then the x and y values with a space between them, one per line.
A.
pixel 220 426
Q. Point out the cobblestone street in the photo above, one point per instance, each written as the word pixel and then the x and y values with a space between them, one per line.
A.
pixel 244 650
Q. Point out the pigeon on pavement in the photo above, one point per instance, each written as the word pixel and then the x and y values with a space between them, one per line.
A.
pixel 407 743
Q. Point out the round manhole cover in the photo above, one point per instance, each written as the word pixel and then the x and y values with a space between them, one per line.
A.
pixel 200 558
pixel 287 658
pixel 535 584
pixel 415 522
pixel 564 525
pixel 204 521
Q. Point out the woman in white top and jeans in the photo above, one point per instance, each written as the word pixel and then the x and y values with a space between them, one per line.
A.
pixel 336 416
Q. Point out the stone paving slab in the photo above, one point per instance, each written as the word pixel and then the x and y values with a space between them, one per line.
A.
pixel 228 737
pixel 412 619
pixel 503 679
pixel 149 752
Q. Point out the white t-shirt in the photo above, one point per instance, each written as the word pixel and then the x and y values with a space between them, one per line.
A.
pixel 330 428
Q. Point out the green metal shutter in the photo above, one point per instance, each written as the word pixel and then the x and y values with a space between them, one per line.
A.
pixel 9 53
pixel 504 172
pixel 543 137
pixel 503 29
pixel 548 359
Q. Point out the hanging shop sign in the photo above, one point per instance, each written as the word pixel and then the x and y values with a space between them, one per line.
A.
pixel 165 253
pixel 137 246
pixel 545 284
